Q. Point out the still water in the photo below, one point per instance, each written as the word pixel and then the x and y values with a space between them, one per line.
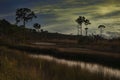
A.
pixel 91 67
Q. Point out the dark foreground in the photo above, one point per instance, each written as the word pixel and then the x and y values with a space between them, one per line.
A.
pixel 75 54
pixel 15 64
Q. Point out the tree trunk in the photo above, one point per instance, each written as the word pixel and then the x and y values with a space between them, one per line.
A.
pixel 86 29
pixel 78 28
pixel 24 22
pixel 101 32
pixel 16 23
pixel 81 29
pixel 86 32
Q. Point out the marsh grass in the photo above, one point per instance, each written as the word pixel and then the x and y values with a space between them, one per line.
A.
pixel 17 65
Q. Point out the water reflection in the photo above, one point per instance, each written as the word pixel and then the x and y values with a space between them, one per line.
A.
pixel 93 68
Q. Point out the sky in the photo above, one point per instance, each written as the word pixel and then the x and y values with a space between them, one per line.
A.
pixel 60 15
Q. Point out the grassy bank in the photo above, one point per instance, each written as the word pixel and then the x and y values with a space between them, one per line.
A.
pixel 104 58
pixel 17 65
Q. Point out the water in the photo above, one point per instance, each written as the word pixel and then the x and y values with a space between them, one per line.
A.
pixel 91 67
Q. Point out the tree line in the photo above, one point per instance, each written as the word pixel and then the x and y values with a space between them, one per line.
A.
pixel 24 15
pixel 82 20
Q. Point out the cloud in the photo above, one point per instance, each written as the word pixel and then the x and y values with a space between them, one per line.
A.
pixel 98 13
pixel 60 15
pixel 113 34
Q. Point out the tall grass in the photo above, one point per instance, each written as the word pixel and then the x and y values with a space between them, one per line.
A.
pixel 17 65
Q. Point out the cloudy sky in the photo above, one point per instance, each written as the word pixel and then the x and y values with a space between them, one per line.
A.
pixel 60 15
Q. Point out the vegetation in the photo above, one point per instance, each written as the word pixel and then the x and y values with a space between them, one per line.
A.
pixel 87 22
pixel 18 65
pixel 37 26
pixel 80 20
pixel 16 46
pixel 10 33
pixel 24 14
pixel 101 29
